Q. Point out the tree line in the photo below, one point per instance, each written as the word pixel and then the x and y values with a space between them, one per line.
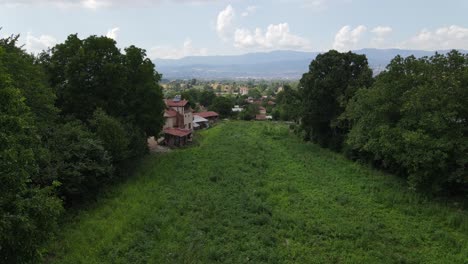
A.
pixel 411 119
pixel 71 118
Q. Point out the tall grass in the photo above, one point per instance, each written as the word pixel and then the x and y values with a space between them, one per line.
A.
pixel 251 192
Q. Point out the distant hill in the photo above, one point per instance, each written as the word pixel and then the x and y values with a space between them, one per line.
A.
pixel 268 65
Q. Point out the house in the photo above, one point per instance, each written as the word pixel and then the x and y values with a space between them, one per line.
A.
pixel 200 122
pixel 184 116
pixel 244 91
pixel 211 116
pixel 260 117
pixel 177 137
pixel 262 110
pixel 179 122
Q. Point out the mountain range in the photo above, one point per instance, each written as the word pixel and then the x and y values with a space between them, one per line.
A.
pixel 281 64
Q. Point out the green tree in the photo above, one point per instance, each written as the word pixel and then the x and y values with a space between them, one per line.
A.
pixel 249 112
pixel 223 106
pixel 413 121
pixel 113 135
pixel 84 164
pixel 288 103
pixel 332 80
pixel 207 98
pixel 28 213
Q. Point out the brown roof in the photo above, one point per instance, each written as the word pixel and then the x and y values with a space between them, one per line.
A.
pixel 170 113
pixel 172 103
pixel 261 108
pixel 178 132
pixel 260 117
pixel 207 114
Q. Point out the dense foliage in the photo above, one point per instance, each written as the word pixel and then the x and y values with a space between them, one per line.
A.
pixel 332 80
pixel 69 120
pixel 288 105
pixel 28 211
pixel 413 121
pixel 223 106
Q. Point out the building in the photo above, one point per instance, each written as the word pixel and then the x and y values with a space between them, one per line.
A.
pixel 262 110
pixel 179 122
pixel 177 137
pixel 184 116
pixel 211 116
pixel 200 122
pixel 244 91
pixel 260 117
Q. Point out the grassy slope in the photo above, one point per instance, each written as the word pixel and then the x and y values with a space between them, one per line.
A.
pixel 252 193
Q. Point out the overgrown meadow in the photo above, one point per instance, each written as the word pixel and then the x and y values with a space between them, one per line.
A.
pixel 248 192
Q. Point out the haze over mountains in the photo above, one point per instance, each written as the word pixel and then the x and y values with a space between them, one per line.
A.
pixel 280 64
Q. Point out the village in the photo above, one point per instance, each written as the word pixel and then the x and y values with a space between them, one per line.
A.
pixel 181 120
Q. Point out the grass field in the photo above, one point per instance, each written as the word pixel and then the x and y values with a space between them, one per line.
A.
pixel 253 193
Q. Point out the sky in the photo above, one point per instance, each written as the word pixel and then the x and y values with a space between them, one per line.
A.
pixel 179 28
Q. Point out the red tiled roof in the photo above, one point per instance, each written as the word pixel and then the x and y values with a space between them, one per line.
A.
pixel 170 113
pixel 178 132
pixel 172 103
pixel 260 117
pixel 207 114
pixel 261 108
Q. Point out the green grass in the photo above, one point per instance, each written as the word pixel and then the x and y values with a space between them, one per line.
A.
pixel 254 193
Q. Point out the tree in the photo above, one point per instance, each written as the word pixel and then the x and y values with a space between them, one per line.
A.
pixel 207 98
pixel 92 73
pixel 112 134
pixel 84 164
pixel 223 106
pixel 288 104
pixel 413 121
pixel 332 80
pixel 254 93
pixel 28 213
pixel 249 112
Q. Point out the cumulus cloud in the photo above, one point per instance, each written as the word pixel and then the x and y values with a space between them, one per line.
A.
pixel 38 44
pixel 224 22
pixel 112 33
pixel 250 10
pixel 276 36
pixel 347 38
pixel 380 33
pixel 451 37
pixel 187 49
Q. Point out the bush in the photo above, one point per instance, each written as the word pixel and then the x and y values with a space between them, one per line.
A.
pixel 83 164
pixel 112 134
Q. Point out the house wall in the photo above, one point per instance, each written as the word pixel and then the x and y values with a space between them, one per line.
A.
pixel 188 119
pixel 170 122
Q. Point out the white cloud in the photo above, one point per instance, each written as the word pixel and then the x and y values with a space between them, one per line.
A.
pixel 112 33
pixel 224 22
pixel 452 37
pixel 347 38
pixel 380 32
pixel 38 44
pixel 165 52
pixel 275 37
pixel 250 10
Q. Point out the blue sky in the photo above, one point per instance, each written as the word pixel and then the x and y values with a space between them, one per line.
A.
pixel 177 28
